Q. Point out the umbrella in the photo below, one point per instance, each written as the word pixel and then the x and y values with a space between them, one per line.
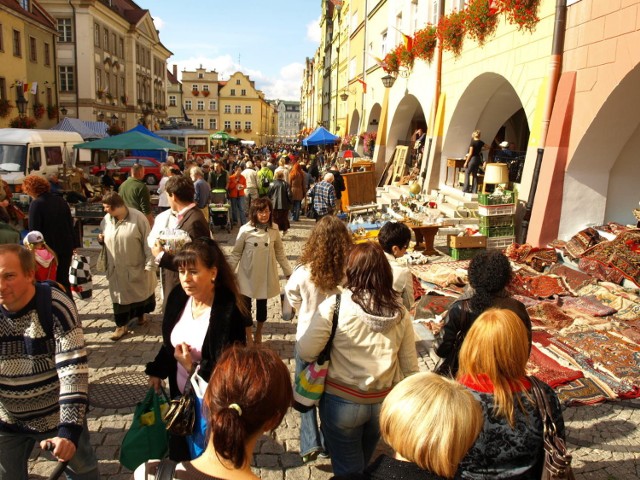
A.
pixel 221 135
pixel 320 136
pixel 131 141
pixel 348 154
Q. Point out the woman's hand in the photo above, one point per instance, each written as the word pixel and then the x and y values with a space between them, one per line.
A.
pixel 155 383
pixel 156 249
pixel 183 356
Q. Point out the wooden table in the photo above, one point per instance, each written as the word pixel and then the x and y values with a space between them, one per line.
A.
pixel 425 235
pixel 457 164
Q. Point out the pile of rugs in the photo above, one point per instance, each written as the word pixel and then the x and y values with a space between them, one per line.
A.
pixel 584 302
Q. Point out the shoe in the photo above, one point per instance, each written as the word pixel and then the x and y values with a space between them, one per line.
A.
pixel 324 454
pixel 143 320
pixel 119 333
pixel 310 457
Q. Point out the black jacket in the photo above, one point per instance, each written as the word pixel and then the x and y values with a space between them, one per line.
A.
pixel 280 195
pixel 387 468
pixel 226 327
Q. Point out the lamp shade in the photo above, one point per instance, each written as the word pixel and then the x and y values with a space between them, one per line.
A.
pixel 495 173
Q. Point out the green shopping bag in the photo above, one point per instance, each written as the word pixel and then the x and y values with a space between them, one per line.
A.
pixel 147 436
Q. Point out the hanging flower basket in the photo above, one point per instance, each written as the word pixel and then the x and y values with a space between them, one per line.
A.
pixel 391 62
pixel 406 56
pixel 523 13
pixel 123 100
pixel 451 30
pixel 5 107
pixel 114 130
pixel 205 93
pixel 424 43
pixel 195 93
pixel 23 122
pixel 482 20
pixel 38 110
pixel 52 111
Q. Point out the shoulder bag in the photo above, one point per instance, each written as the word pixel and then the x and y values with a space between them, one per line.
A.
pixel 448 366
pixel 309 384
pixel 181 415
pixel 557 461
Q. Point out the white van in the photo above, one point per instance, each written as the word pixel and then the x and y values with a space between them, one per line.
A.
pixel 27 151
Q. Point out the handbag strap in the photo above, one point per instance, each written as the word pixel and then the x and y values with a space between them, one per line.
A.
pixel 324 355
pixel 544 407
pixel 166 469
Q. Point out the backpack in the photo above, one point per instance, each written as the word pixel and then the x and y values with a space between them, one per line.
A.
pixel 43 305
pixel 264 180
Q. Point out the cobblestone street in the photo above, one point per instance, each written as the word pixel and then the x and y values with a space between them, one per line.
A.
pixel 604 439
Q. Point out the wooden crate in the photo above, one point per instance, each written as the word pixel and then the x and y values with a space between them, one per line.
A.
pixel 466 242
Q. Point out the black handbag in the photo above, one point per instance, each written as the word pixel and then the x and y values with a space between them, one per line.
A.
pixel 181 415
pixel 557 461
pixel 448 366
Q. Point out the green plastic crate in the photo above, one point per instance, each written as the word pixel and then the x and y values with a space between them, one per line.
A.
pixel 490 199
pixel 464 253
pixel 491 232
pixel 496 221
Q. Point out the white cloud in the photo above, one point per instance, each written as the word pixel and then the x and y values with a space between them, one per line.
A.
pixel 313 31
pixel 159 23
pixel 285 86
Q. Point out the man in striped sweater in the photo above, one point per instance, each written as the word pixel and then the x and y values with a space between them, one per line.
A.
pixel 43 372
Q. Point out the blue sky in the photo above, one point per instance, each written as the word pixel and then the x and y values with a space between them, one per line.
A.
pixel 267 40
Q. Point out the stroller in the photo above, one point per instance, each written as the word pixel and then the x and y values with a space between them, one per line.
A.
pixel 219 210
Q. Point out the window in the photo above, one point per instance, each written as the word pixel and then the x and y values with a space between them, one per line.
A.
pixel 66 79
pixel 243 92
pixel 233 92
pixel 114 44
pixel 1 39
pixel 247 109
pixel 383 43
pixel 47 55
pixel 213 105
pixel 238 125
pixel 200 104
pixel 352 67
pixel 105 42
pixel 227 125
pixel 17 44
pixel 49 96
pixel 227 109
pixel 200 75
pixel 98 79
pixel 64 30
pixel 3 88
pixel 194 88
pixel 247 125
pixel 53 155
pixel 187 105
pixel 96 35
pixel 172 100
pixel 25 4
pixel 237 81
pixel 33 49
pixel 213 124
pixel 121 47
pixel 434 11
pixel 205 88
pixel 238 109
pixel 200 122
pixel 354 21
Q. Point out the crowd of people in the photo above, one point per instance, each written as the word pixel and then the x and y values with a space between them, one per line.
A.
pixel 475 418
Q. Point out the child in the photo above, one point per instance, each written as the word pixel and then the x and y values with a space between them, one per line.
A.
pixel 394 239
pixel 46 259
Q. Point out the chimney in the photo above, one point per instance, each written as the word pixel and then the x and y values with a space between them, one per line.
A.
pixel 175 70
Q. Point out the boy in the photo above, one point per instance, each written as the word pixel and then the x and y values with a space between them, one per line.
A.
pixel 394 239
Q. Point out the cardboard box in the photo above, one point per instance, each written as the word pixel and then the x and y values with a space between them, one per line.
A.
pixel 90 230
pixel 479 241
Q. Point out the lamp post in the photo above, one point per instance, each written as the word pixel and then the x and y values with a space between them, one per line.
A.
pixel 21 102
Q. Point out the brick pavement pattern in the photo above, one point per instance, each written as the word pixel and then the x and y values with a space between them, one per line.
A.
pixel 604 439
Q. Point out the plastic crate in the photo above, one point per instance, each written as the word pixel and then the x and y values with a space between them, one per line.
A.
pixel 491 199
pixel 500 242
pixel 502 231
pixel 464 253
pixel 490 211
pixel 496 221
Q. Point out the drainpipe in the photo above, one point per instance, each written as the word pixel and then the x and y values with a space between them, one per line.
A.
pixel 436 98
pixel 75 56
pixel 555 67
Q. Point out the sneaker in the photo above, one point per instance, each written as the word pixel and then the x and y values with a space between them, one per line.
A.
pixel 310 457
pixel 119 333
pixel 324 454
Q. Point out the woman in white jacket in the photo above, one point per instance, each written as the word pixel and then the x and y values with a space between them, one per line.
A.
pixel 321 271
pixel 255 258
pixel 373 349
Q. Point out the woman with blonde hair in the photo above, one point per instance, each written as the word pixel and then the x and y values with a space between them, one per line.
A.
pixel 320 271
pixel 472 162
pixel 493 358
pixel 430 422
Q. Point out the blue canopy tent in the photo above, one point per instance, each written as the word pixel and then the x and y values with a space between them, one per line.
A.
pixel 160 155
pixel 87 130
pixel 320 136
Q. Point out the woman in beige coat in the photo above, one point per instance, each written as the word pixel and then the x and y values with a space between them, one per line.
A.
pixel 130 263
pixel 255 258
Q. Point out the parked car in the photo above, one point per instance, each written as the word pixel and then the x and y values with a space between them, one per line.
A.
pixel 152 174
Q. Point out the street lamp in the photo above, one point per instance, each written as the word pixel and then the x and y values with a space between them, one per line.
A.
pixel 344 96
pixel 22 105
pixel 388 81
pixel 100 116
pixel 114 118
pixel 63 111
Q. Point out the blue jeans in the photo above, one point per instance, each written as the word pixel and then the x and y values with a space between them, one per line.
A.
pixel 15 449
pixel 295 212
pixel 237 210
pixel 310 437
pixel 351 432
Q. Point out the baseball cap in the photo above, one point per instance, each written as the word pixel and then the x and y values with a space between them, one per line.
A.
pixel 33 237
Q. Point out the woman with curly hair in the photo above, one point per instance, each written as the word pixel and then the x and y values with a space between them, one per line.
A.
pixel 489 273
pixel 320 272
pixel 50 215
pixel 373 349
